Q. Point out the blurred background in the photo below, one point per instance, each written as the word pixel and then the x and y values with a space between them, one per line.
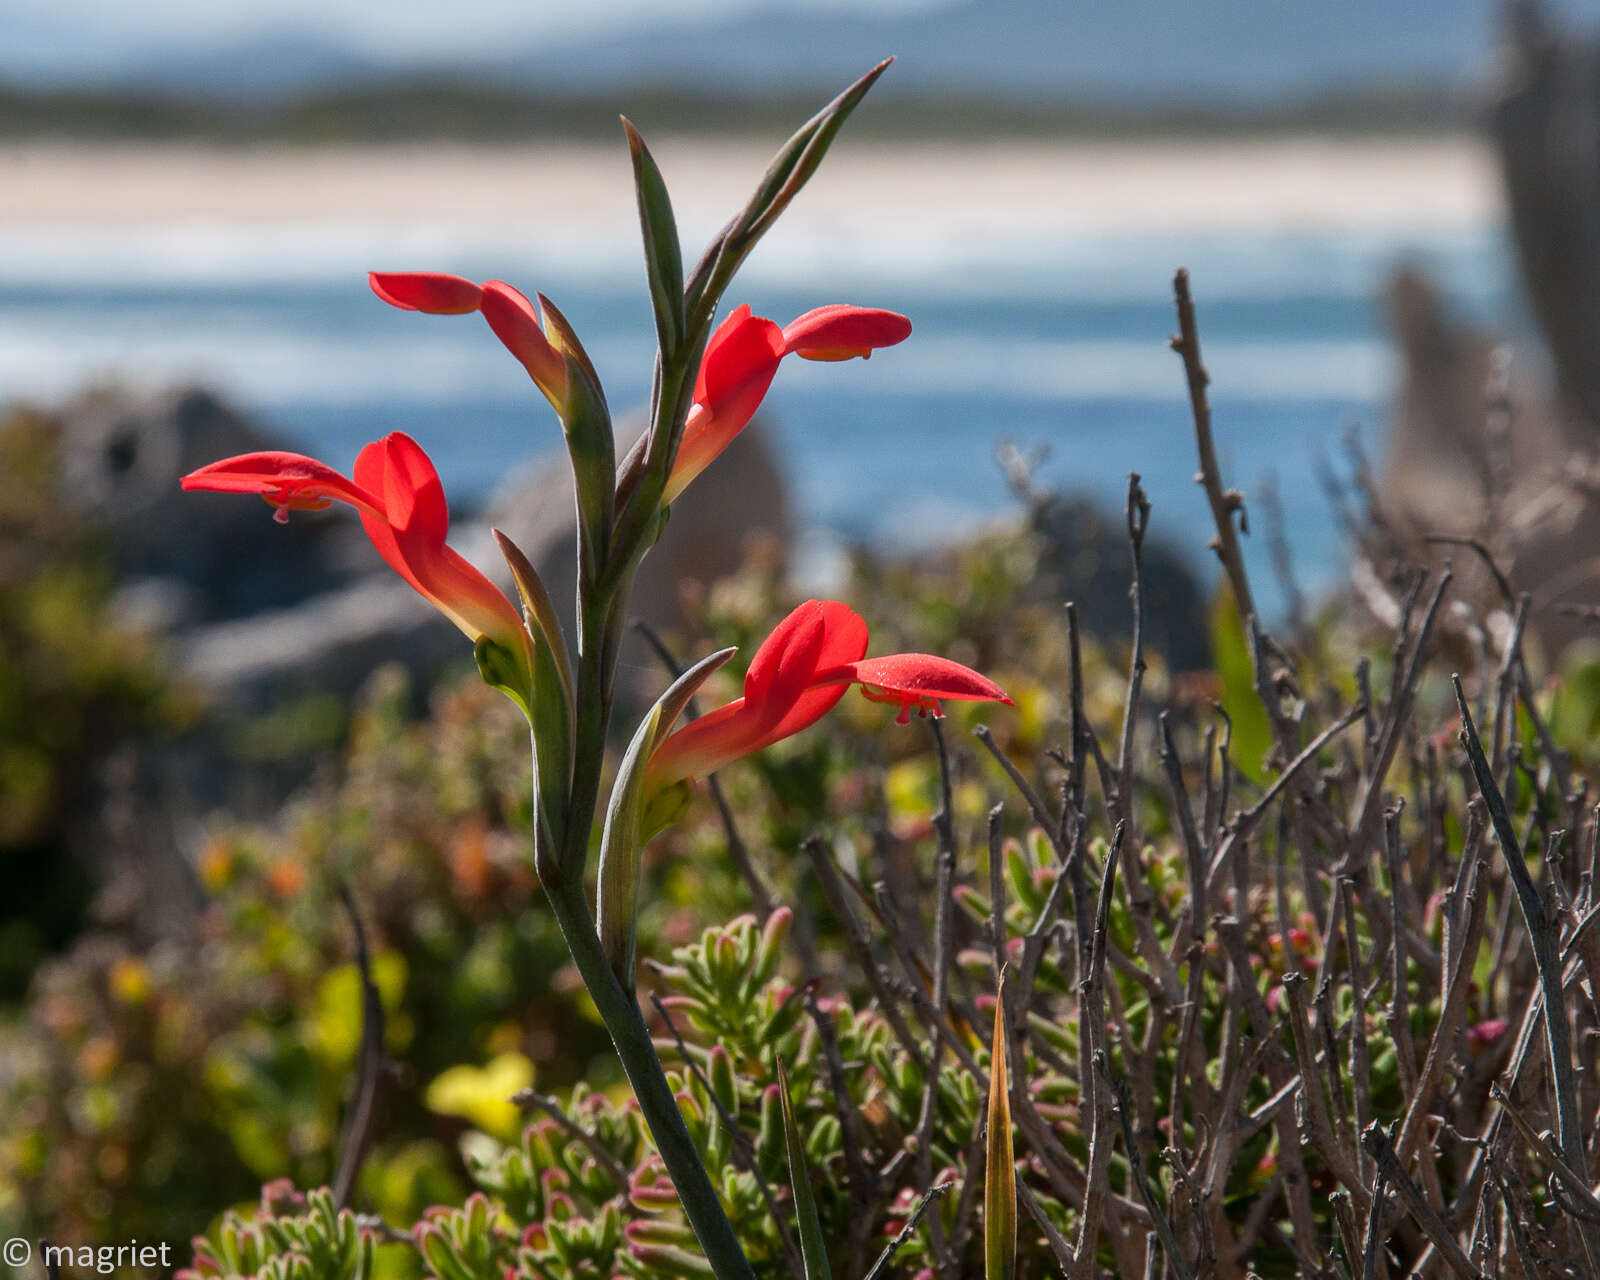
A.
pixel 1389 213
pixel 193 192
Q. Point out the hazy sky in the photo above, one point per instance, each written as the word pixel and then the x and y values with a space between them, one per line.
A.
pixel 59 29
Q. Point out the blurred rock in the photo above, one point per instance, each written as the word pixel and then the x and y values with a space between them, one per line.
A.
pixel 330 642
pixel 121 456
pixel 1085 557
pixel 260 611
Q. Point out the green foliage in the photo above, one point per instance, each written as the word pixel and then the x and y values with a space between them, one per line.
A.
pixel 149 1086
pixel 290 1237
pixel 72 683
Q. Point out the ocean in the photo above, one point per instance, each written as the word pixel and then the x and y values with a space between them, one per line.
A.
pixel 1055 341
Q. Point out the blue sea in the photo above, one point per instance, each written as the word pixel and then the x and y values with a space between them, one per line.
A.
pixel 1054 342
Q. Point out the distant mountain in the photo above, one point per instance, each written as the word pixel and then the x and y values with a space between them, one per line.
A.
pixel 269 66
pixel 1131 52
pixel 1122 53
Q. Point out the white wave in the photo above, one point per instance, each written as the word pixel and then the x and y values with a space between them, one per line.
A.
pixel 941 257
pixel 47 355
pixel 1033 369
pixel 45 360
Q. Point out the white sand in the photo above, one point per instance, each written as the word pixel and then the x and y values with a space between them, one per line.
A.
pixel 996 189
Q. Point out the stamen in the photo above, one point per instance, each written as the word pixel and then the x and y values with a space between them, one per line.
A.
pixel 281 515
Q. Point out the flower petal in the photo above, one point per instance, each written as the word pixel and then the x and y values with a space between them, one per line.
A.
pixel 781 693
pixel 516 324
pixel 413 497
pixel 431 291
pixel 740 360
pixel 839 332
pixel 283 479
pixel 410 536
pixel 923 675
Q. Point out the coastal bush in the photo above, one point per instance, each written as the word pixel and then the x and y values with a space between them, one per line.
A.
pixel 1287 968
pixel 73 683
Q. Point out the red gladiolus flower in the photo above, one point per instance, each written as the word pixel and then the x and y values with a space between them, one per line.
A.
pixel 741 360
pixel 514 319
pixel 402 507
pixel 796 677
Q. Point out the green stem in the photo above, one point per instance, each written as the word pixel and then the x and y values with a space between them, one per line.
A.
pixel 592 714
pixel 620 1013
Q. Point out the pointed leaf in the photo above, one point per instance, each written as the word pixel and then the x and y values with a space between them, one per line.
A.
pixel 592 450
pixel 549 704
pixel 564 338
pixel 617 896
pixel 676 698
pixel 622 842
pixel 663 255
pixel 1000 1171
pixel 542 617
pixel 790 169
pixel 813 1251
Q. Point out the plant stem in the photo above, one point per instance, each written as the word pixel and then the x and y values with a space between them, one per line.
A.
pixel 620 1013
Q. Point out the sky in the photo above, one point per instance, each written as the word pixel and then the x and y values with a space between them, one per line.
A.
pixel 58 33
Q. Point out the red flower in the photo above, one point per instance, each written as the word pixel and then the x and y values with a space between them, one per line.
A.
pixel 741 360
pixel 402 506
pixel 796 677
pixel 514 319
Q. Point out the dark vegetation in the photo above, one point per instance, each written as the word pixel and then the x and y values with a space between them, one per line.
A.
pixel 446 108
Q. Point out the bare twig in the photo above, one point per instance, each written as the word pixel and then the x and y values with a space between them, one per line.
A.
pixel 369 1064
pixel 1224 502
pixel 591 1141
pixel 906 1232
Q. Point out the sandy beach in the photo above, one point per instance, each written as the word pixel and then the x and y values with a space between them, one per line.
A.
pixel 1024 188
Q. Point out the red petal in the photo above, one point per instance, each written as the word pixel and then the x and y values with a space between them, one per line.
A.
pixel 412 540
pixel 816 635
pixel 291 475
pixel 413 497
pixel 786 660
pixel 516 324
pixel 781 697
pixel 430 291
pixel 839 332
pixel 739 364
pixel 371 470
pixel 923 675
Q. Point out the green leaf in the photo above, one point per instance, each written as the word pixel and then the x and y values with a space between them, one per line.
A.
pixel 1252 733
pixel 617 895
pixel 626 829
pixel 789 171
pixel 591 443
pixel 541 613
pixel 813 1252
pixel 1000 1170
pixel 663 256
pixel 549 705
